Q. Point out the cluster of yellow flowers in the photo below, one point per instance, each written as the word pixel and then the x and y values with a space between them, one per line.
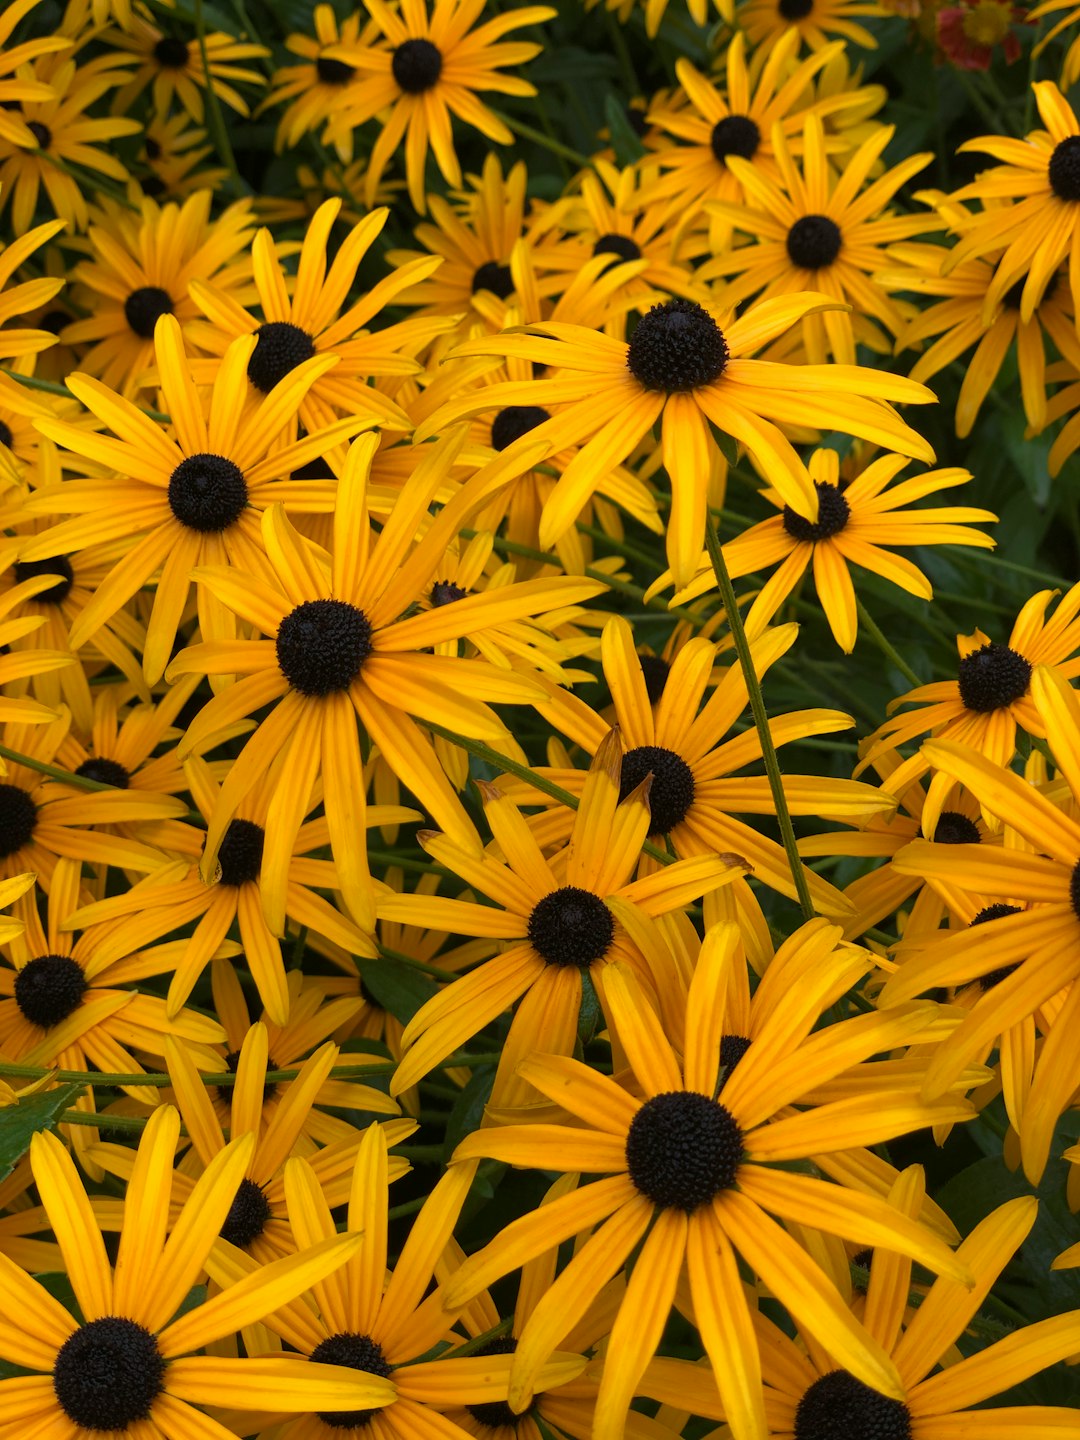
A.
pixel 387 789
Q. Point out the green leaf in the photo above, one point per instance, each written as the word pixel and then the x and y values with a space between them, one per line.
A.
pixel 396 987
pixel 468 1111
pixel 19 1123
pixel 628 147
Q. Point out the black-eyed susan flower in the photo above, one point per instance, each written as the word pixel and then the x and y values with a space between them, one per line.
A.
pixel 558 915
pixel 697 790
pixel 171 63
pixel 1040 229
pixel 1029 952
pixel 321 85
pixel 184 501
pixel 125 1362
pixel 382 1323
pixel 859 520
pixel 816 22
pixel 820 229
pixel 16 86
pixel 316 321
pixel 690 369
pixel 698 1215
pixel 63 132
pixel 990 698
pixel 336 649
pixel 173 151
pixel 429 66
pixel 140 268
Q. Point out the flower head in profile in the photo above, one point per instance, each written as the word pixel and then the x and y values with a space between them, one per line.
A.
pixel 688 1159
pixel 428 66
pixel 127 1360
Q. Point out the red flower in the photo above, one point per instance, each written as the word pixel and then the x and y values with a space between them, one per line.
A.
pixel 969 31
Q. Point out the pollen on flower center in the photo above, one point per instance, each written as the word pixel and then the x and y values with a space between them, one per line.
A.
pixel 279 348
pixel 207 493
pixel 1063 172
pixel 513 422
pixel 494 1413
pixel 834 512
pixel 322 644
pixel 735 135
pixel 494 277
pixel 672 791
pixel 247 1217
pixel 105 772
pixel 144 307
pixel 108 1374
pixel 334 72
pixel 838 1406
pixel 992 677
pixel 682 1149
pixel 58 565
pixel 677 346
pixel 357 1352
pixel 18 819
pixel 48 989
pixel 171 53
pixel 571 926
pixel 998 912
pixel 955 829
pixel 416 66
pixel 241 853
pixel 813 242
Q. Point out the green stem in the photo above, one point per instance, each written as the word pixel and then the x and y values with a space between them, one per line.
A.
pixel 81 782
pixel 33 382
pixel 761 718
pixel 215 120
pixel 402 959
pixel 885 645
pixel 100 1081
pixel 538 137
pixel 522 772
pixel 478 1341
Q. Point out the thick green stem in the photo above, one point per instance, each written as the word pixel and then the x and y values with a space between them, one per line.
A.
pixel 761 718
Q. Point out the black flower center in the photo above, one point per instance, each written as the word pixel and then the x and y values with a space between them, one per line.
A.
pixel 105 772
pixel 672 791
pixel 1074 889
pixel 1063 171
pixel 795 9
pixel 839 1407
pixel 54 321
pixel 998 912
pixel 496 1412
pixel 247 1217
pixel 41 133
pixel 152 148
pixel 621 246
pixel 637 121
pixel 955 829
pixel 207 493
pixel 735 135
pixel 682 1149
pixel 322 644
pixel 833 514
pixel 152 185
pixel 571 927
pixel 6 436
pixel 18 819
pixel 232 1064
pixel 241 853
pixel 49 989
pixel 732 1050
pixel 108 1374
pixel 417 66
pixel 813 241
pixel 494 277
pixel 357 1352
pixel 58 565
pixel 171 53
pixel 992 677
pixel 334 72
pixel 279 348
pixel 656 671
pixel 445 592
pixel 513 422
pixel 677 346
pixel 143 308
pixel 1015 293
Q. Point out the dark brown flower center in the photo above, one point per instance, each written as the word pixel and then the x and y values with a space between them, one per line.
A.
pixel 682 1149
pixel 416 66
pixel 571 926
pixel 839 1407
pixel 356 1352
pixel 993 677
pixel 108 1374
pixel 677 346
